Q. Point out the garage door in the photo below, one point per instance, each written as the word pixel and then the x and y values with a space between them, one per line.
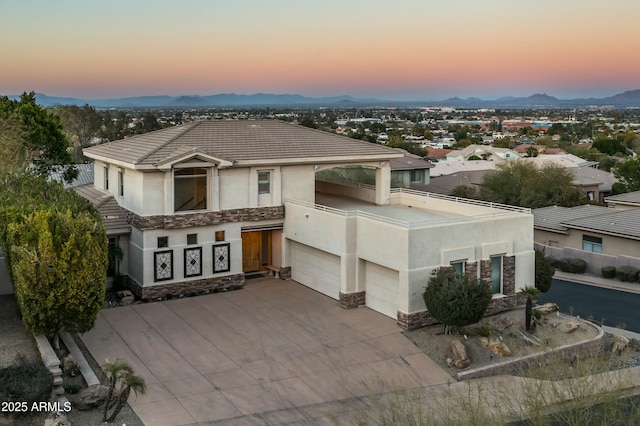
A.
pixel 382 289
pixel 316 269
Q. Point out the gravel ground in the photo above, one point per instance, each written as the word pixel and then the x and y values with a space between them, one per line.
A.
pixel 17 346
pixel 437 345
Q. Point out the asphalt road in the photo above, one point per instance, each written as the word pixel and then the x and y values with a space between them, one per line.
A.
pixel 614 308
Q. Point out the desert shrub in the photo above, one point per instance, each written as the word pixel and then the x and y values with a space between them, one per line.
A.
pixel 72 388
pixel 573 265
pixel 544 271
pixel 608 271
pixel 25 383
pixel 627 273
pixel 483 330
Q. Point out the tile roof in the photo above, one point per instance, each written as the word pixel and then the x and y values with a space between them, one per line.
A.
pixel 409 162
pixel 622 223
pixel 626 198
pixel 112 216
pixel 553 218
pixel 85 175
pixel 239 141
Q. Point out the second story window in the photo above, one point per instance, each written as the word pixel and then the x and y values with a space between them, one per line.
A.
pixel 190 189
pixel 264 182
pixel 121 183
pixel 106 177
pixel 163 242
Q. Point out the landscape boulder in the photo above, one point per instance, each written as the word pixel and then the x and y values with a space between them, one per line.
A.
pixel 547 308
pixel 58 419
pixel 460 358
pixel 619 344
pixel 496 346
pixel 91 397
pixel 125 297
pixel 569 326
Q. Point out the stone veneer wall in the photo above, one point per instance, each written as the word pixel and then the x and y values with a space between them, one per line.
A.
pixel 205 218
pixel 471 268
pixel 285 272
pixel 509 275
pixel 352 300
pixel 187 288
pixel 420 319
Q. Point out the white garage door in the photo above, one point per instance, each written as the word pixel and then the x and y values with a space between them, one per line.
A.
pixel 316 269
pixel 382 289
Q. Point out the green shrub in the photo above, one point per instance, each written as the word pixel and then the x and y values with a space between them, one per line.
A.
pixel 608 272
pixel 72 388
pixel 25 383
pixel 573 265
pixel 627 273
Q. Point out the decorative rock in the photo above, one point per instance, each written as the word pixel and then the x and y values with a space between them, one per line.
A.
pixel 547 308
pixel 460 358
pixel 69 364
pixel 568 327
pixel 125 297
pixel 91 397
pixel 619 344
pixel 58 419
pixel 501 322
pixel 498 347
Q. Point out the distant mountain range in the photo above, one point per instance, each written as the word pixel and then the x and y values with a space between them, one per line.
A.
pixel 622 100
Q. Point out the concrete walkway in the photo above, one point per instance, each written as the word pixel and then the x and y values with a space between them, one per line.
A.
pixel 274 352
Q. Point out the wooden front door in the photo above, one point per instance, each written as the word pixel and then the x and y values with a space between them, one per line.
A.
pixel 251 243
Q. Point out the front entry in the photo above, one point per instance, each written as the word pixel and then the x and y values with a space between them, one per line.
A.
pixel 256 251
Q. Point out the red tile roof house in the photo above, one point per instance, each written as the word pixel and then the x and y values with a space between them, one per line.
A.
pixel 212 202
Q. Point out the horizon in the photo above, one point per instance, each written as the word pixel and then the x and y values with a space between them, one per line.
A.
pixel 405 51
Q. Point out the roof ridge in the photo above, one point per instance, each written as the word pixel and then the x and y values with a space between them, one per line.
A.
pixel 158 148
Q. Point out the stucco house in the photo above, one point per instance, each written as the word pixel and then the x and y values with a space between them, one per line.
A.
pixel 602 236
pixel 210 203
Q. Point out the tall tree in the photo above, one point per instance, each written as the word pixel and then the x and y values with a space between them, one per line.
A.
pixel 628 175
pixel 80 125
pixel 44 143
pixel 552 185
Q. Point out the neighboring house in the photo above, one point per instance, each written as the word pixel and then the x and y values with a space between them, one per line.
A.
pixel 483 152
pixel 408 170
pixel 629 200
pixel 601 236
pixel 445 184
pixel 210 203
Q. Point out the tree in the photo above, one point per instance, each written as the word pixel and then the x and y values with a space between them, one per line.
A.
pixel 80 125
pixel 56 250
pixel 522 184
pixel 43 142
pixel 544 271
pixel 456 300
pixel 12 143
pixel 628 175
pixel 122 381
pixel 507 184
pixel 552 185
pixel 308 121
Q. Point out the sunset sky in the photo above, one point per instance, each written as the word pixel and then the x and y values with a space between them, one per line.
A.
pixel 397 50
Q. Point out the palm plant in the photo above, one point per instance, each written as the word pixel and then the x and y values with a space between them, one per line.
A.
pixel 122 381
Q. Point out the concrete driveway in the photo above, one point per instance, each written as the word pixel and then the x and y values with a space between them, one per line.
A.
pixel 270 353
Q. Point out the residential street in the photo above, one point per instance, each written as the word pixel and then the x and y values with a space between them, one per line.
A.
pixel 615 308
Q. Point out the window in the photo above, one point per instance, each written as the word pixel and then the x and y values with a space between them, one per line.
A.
pixel 593 244
pixel 120 183
pixel 264 182
pixel 192 239
pixel 219 235
pixel 496 274
pixel 106 177
pixel 163 242
pixel 458 268
pixel 417 175
pixel 190 189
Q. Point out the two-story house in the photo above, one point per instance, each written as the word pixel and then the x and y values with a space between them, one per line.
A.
pixel 210 203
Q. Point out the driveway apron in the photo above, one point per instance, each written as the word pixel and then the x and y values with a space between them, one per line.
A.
pixel 273 346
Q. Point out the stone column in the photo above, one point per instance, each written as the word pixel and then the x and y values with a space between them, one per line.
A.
pixel 509 274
